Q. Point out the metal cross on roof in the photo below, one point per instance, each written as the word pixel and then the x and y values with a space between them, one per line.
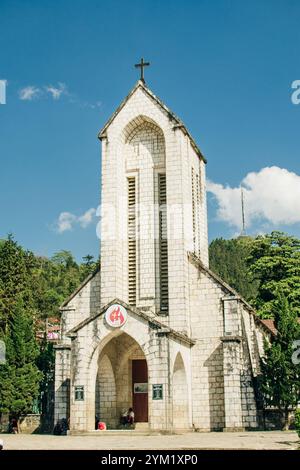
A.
pixel 141 65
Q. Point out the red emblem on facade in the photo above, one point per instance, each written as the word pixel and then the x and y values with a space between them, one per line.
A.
pixel 116 315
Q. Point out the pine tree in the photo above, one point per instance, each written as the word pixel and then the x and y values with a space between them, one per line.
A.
pixel 19 376
pixel 16 278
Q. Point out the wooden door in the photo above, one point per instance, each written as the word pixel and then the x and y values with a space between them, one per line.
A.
pixel 139 390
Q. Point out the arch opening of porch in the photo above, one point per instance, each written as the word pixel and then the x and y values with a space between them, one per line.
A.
pixel 121 381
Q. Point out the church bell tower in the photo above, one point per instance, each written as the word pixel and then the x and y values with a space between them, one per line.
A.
pixel 153 207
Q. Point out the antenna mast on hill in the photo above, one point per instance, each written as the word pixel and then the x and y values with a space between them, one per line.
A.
pixel 243 233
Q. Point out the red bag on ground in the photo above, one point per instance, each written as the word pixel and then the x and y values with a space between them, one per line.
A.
pixel 102 426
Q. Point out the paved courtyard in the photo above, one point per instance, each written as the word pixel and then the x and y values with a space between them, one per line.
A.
pixel 240 440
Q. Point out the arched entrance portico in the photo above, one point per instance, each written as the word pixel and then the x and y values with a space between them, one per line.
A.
pixel 121 381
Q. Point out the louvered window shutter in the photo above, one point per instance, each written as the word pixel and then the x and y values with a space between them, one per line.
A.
pixel 163 243
pixel 131 241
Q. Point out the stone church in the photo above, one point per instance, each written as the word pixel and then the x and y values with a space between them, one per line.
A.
pixel 154 328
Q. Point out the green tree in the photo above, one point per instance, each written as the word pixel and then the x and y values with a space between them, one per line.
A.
pixel 280 379
pixel 228 259
pixel 56 279
pixel 88 266
pixel 19 376
pixel 274 262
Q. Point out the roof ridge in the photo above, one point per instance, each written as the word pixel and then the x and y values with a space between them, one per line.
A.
pixel 135 310
pixel 180 124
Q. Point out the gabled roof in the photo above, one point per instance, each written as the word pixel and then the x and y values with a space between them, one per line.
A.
pixel 271 325
pixel 177 122
pixel 79 288
pixel 161 327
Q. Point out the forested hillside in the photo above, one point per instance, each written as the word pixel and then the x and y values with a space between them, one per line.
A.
pixel 229 259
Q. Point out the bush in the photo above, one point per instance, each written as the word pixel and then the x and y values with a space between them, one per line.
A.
pixel 297 421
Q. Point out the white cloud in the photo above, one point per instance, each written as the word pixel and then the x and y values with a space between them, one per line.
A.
pixel 87 217
pixel 66 220
pixel 57 91
pixel 29 93
pixel 32 92
pixel 271 196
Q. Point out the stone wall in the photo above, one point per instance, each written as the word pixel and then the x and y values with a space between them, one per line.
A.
pixel 207 354
pixel 106 393
pixel 62 381
pixel 30 423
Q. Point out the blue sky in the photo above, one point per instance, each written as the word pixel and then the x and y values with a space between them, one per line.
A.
pixel 225 67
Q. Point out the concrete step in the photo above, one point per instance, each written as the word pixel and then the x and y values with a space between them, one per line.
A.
pixel 114 432
pixel 141 426
pixel 141 429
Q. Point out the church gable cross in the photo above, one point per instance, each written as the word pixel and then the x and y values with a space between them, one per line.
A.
pixel 141 65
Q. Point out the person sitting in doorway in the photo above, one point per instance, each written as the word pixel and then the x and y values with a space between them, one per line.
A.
pixel 130 416
pixel 127 417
